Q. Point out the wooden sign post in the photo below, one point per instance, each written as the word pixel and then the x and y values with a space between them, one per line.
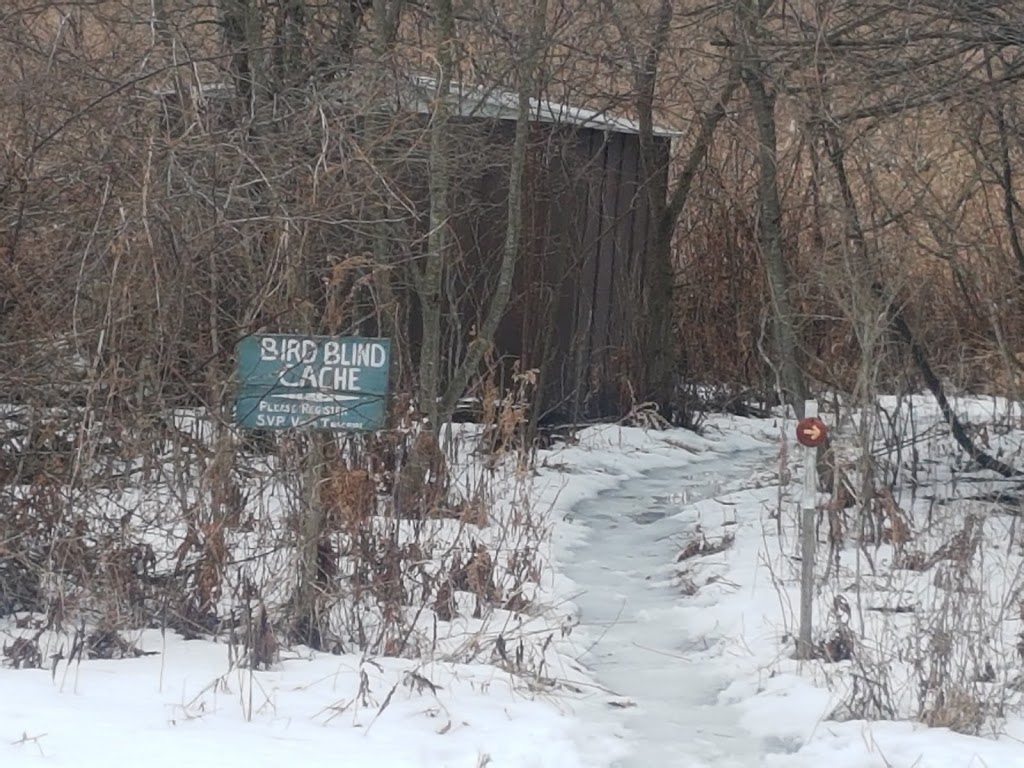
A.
pixel 811 433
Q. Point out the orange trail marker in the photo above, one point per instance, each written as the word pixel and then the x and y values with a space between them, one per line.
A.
pixel 811 432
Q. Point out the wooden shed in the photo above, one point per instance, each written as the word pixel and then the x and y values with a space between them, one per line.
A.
pixel 579 310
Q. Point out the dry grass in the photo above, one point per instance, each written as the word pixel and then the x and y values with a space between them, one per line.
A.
pixel 410 538
pixel 923 622
pixel 700 546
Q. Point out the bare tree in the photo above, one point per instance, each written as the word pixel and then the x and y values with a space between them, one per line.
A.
pixel 757 79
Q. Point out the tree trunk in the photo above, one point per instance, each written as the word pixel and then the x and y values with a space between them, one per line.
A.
pixel 429 281
pixel 666 205
pixel 242 22
pixel 529 65
pixel 790 373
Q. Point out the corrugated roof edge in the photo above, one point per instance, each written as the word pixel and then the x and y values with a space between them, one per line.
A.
pixel 501 104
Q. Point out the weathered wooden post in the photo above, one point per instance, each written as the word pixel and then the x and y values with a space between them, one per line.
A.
pixel 811 432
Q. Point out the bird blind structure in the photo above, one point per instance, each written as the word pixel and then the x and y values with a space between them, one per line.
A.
pixel 581 311
pixel 581 302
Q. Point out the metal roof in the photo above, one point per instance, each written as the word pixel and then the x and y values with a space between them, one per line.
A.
pixel 500 104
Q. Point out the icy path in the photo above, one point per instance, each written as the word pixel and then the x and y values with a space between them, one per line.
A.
pixel 638 643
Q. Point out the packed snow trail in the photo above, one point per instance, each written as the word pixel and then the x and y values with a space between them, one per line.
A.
pixel 637 644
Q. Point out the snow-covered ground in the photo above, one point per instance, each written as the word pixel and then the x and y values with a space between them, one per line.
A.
pixel 705 679
pixel 634 659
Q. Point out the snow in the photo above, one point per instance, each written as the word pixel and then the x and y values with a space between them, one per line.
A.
pixel 636 642
pixel 651 662
pixel 708 679
pixel 184 706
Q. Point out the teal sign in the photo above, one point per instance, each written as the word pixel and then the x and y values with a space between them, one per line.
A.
pixel 312 382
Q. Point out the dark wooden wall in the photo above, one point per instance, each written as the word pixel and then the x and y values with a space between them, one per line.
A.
pixel 578 313
pixel 579 309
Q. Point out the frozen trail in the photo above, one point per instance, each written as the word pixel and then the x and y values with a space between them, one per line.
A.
pixel 637 640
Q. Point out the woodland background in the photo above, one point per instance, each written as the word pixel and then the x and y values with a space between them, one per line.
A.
pixel 843 216
pixel 838 161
